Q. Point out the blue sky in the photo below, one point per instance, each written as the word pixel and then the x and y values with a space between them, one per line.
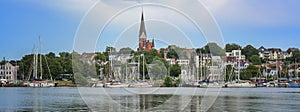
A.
pixel 272 23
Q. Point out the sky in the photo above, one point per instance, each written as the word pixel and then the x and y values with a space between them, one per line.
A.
pixel 269 23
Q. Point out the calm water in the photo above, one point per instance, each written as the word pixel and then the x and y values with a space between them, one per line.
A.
pixel 163 99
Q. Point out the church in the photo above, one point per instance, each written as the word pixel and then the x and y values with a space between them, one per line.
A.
pixel 144 44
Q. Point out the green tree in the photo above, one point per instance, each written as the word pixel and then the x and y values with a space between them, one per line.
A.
pixel 233 46
pixel 296 56
pixel 108 51
pixel 214 49
pixel 65 60
pixel 80 79
pixel 249 51
pixel 229 73
pixel 55 68
pixel 175 70
pixel 143 66
pixel 126 50
pixel 249 72
pixel 168 82
pixel 51 55
pixel 26 66
pixel 158 70
pixel 166 64
pixel 172 54
pixel 100 57
pixel 254 59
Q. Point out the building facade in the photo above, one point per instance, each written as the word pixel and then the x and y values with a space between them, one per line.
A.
pixel 9 71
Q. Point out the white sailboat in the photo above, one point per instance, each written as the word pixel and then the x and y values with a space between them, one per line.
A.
pixel 39 81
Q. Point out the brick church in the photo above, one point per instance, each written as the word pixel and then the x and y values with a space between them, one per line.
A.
pixel 144 44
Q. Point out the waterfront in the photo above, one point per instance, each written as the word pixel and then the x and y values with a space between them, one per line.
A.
pixel 163 99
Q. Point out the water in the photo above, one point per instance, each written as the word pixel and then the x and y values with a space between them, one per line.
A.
pixel 163 99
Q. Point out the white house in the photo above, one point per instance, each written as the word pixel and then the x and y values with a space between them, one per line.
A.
pixel 9 71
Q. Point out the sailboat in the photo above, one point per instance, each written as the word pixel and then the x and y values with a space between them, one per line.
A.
pixel 37 61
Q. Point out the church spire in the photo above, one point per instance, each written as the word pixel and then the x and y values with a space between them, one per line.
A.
pixel 143 33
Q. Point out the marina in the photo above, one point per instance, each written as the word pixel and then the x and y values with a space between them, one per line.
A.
pixel 150 56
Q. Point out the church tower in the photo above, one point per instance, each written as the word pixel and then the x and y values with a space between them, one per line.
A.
pixel 143 43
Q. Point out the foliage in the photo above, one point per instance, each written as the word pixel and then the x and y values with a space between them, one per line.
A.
pixel 109 50
pixel 178 80
pixel 51 55
pixel 249 51
pixel 65 60
pixel 158 70
pixel 55 67
pixel 249 72
pixel 229 73
pixel 100 57
pixel 80 79
pixel 254 59
pixel 48 61
pixel 143 66
pixel 168 82
pixel 172 54
pixel 175 70
pixel 211 48
pixel 233 46
pixel 296 56
pixel 126 50
pixel 164 61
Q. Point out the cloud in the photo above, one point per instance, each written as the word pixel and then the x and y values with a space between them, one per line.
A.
pixel 255 12
pixel 121 16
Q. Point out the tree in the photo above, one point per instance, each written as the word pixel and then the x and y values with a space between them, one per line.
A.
pixel 214 49
pixel 172 54
pixel 65 60
pixel 233 46
pixel 229 73
pixel 175 70
pixel 109 50
pixel 249 72
pixel 254 59
pixel 143 66
pixel 100 57
pixel 158 70
pixel 249 50
pixel 163 60
pixel 50 55
pixel 55 68
pixel 168 82
pixel 296 56
pixel 26 66
pixel 80 79
pixel 126 50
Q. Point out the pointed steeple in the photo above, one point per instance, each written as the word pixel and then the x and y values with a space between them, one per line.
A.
pixel 143 33
pixel 153 42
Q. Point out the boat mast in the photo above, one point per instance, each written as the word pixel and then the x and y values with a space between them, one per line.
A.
pixel 239 66
pixel 4 69
pixel 143 67
pixel 138 77
pixel 35 62
pixel 201 62
pixel 276 69
pixel 40 53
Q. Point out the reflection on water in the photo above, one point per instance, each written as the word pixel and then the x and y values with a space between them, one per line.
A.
pixel 69 99
pixel 41 99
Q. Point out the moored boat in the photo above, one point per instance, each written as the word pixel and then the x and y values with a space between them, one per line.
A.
pixel 116 84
